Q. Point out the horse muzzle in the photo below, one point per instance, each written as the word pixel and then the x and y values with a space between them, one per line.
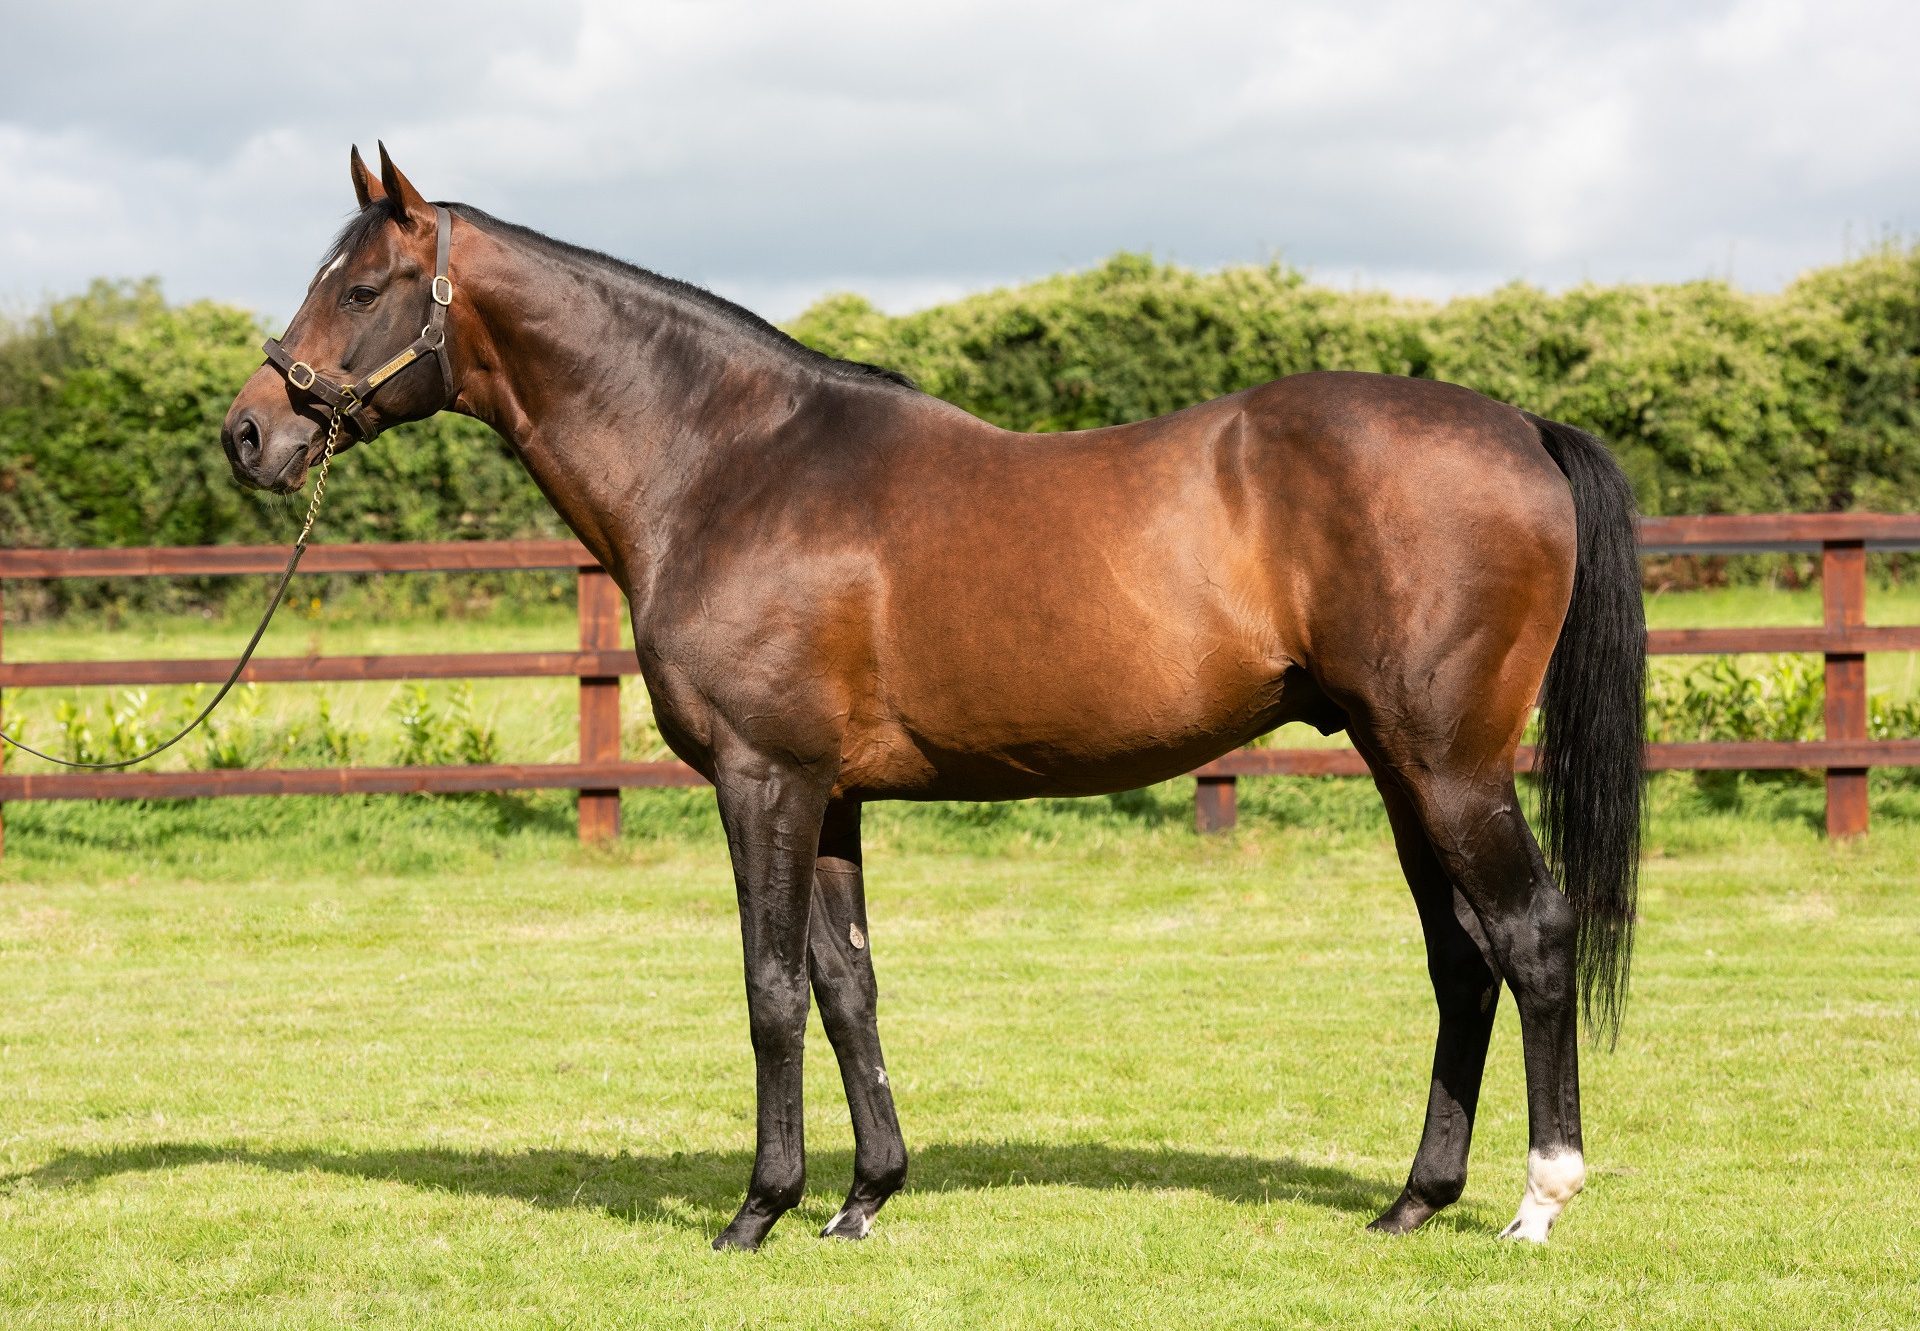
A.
pixel 264 457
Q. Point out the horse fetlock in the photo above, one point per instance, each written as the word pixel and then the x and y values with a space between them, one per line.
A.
pixel 883 1177
pixel 1423 1197
pixel 1553 1180
pixel 766 1202
pixel 1437 1192
pixel 873 1184
pixel 778 1196
pixel 1406 1214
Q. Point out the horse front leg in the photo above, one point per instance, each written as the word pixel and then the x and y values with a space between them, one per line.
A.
pixel 842 961
pixel 772 813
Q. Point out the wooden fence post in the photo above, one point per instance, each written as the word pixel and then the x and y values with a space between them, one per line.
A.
pixel 600 606
pixel 1215 803
pixel 1843 590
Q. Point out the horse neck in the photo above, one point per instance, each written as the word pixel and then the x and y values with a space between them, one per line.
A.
pixel 617 392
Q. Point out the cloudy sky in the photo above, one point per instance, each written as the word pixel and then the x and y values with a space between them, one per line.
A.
pixel 912 150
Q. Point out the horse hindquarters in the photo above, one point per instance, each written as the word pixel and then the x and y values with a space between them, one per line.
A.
pixel 1438 714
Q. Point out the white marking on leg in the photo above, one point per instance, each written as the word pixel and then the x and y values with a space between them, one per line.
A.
pixel 833 1225
pixel 880 1076
pixel 1552 1181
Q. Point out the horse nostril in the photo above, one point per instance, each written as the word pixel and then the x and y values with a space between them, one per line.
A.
pixel 247 435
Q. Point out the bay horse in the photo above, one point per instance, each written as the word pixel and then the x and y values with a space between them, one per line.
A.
pixel 844 589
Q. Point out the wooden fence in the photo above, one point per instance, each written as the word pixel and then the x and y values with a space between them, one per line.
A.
pixel 1844 639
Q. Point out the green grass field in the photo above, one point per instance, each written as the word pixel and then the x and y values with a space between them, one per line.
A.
pixel 428 1062
pixel 417 1062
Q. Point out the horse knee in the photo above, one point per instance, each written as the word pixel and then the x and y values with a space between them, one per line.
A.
pixel 777 1020
pixel 847 1017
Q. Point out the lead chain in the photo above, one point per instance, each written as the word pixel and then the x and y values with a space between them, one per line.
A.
pixel 320 480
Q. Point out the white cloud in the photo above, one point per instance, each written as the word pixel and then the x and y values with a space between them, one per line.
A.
pixel 915 151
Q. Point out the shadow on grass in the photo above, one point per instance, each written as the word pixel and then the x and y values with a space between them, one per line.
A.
pixel 699 1189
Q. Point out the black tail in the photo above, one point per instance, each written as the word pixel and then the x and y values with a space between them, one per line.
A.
pixel 1592 725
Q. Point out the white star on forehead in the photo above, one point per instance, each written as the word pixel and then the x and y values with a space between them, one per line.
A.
pixel 324 273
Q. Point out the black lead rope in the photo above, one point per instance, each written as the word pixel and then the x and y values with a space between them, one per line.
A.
pixel 206 711
pixel 279 592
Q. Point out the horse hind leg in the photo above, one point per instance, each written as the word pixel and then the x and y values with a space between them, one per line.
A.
pixel 1466 990
pixel 840 959
pixel 1471 815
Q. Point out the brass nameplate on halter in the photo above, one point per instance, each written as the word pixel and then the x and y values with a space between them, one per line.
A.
pixel 391 368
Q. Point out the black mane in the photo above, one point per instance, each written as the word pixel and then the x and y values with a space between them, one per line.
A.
pixel 358 230
pixel 361 226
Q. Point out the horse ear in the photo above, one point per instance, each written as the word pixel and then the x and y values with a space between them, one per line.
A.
pixel 366 188
pixel 409 208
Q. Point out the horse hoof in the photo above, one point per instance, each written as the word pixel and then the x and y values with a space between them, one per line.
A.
pixel 1394 1221
pixel 1403 1217
pixel 745 1234
pixel 850 1225
pixel 1520 1230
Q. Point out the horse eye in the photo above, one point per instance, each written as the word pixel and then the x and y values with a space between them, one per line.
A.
pixel 361 297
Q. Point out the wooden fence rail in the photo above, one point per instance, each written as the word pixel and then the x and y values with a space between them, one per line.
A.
pixel 599 663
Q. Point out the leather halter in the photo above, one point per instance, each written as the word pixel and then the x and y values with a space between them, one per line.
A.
pixel 346 400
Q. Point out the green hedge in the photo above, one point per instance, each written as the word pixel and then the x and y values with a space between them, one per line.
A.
pixel 1717 400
